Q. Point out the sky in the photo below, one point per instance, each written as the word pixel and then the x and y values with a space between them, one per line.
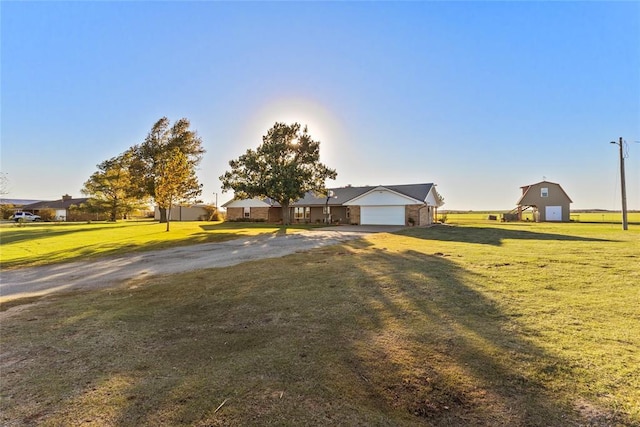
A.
pixel 478 97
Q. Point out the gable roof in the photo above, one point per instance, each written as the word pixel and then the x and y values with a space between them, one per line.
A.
pixel 381 190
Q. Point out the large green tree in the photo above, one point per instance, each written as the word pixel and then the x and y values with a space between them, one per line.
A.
pixel 284 168
pixel 160 144
pixel 110 188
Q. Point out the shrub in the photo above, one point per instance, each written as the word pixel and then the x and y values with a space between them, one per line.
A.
pixel 7 210
pixel 248 220
pixel 47 214
pixel 213 214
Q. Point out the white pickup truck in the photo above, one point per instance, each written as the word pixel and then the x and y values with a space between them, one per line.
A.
pixel 25 216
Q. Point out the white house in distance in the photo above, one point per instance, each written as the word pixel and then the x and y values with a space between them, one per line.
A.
pixel 411 204
pixel 62 208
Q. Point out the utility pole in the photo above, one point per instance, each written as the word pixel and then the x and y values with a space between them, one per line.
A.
pixel 623 187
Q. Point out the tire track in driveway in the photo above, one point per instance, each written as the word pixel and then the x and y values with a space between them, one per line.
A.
pixel 43 280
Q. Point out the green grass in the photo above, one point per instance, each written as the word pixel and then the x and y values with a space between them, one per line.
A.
pixel 596 217
pixel 610 217
pixel 475 324
pixel 43 243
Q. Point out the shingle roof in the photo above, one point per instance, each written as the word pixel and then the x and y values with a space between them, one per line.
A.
pixel 56 204
pixel 417 191
pixel 18 201
pixel 342 195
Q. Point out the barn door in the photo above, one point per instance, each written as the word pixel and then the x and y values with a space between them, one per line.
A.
pixel 553 213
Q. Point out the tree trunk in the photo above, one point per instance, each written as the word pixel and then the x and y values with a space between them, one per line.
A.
pixel 167 213
pixel 286 213
pixel 113 215
pixel 163 215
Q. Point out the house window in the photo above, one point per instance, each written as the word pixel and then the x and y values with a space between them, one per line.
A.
pixel 300 213
pixel 247 212
pixel 544 192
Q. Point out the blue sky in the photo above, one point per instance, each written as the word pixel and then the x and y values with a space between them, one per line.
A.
pixel 478 97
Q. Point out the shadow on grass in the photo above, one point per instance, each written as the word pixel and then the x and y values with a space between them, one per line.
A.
pixel 112 249
pixel 433 346
pixel 488 235
pixel 254 225
pixel 23 234
pixel 211 233
pixel 344 335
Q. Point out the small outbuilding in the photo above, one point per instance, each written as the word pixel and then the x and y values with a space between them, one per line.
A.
pixel 184 213
pixel 548 201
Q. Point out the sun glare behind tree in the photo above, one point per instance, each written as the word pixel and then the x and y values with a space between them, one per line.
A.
pixel 279 168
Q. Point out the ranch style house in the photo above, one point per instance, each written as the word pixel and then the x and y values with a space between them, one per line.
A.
pixel 412 204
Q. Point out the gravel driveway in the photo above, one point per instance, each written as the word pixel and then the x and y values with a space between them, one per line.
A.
pixel 37 281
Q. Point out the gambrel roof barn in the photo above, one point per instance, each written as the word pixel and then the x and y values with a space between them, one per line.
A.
pixel 548 201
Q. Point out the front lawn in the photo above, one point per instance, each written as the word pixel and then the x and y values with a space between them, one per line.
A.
pixel 45 243
pixel 474 325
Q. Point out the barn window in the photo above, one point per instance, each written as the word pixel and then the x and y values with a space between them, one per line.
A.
pixel 544 192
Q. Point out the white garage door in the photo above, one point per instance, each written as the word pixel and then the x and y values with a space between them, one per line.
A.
pixel 553 213
pixel 382 215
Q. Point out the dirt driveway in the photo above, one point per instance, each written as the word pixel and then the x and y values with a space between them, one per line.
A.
pixel 38 281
